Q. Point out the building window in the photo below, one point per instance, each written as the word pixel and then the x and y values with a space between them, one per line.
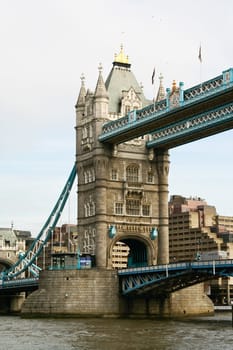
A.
pixel 150 177
pixel 89 208
pixel 89 175
pixel 127 109
pixel 132 174
pixel 89 241
pixel 92 209
pixel 114 174
pixel 146 210
pixel 118 208
pixel 132 207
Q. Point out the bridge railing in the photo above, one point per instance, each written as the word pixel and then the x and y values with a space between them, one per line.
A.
pixel 192 124
pixel 210 86
pixel 178 266
pixel 18 282
pixel 206 87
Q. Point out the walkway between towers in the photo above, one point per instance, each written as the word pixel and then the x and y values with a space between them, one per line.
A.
pixel 184 116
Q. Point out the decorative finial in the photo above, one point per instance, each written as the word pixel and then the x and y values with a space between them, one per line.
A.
pixel 82 78
pixel 161 92
pixel 100 68
pixel 161 78
pixel 173 86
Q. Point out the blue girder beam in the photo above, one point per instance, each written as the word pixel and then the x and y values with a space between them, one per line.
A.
pixel 164 279
pixel 18 285
pixel 193 128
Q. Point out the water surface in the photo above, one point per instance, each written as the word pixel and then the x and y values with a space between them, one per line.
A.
pixel 205 333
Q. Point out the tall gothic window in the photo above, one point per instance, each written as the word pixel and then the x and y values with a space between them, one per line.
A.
pixel 150 177
pixel 133 206
pixel 114 174
pixel 89 241
pixel 118 208
pixel 146 210
pixel 132 173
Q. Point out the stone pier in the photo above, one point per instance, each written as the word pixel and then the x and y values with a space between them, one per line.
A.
pixel 95 293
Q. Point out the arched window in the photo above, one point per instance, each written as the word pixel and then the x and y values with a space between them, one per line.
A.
pixel 132 173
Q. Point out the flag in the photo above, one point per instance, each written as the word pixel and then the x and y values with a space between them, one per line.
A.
pixel 153 76
pixel 199 54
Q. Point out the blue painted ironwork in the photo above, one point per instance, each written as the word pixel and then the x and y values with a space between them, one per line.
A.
pixel 18 285
pixel 27 260
pixel 169 278
pixel 137 123
pixel 175 133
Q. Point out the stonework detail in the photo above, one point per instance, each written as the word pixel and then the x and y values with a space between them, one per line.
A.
pixel 118 184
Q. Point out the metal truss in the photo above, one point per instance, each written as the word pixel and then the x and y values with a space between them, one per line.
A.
pixel 193 128
pixel 164 279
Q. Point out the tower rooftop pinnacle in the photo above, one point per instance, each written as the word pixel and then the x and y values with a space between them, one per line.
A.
pixel 161 92
pixel 119 81
pixel 82 92
pixel 100 90
pixel 121 59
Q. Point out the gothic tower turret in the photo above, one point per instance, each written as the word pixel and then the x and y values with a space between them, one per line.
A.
pixel 119 186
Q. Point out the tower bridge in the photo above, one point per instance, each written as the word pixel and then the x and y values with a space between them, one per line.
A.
pixel 122 162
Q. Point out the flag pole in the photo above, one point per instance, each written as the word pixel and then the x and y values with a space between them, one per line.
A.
pixel 152 81
pixel 200 59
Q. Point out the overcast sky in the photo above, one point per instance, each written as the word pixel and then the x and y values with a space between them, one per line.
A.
pixel 45 47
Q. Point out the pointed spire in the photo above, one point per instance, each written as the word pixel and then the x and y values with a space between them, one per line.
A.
pixel 82 92
pixel 161 92
pixel 100 90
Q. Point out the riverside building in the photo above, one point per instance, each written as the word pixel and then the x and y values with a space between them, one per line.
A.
pixel 195 230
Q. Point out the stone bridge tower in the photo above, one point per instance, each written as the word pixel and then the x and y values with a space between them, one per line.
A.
pixel 122 188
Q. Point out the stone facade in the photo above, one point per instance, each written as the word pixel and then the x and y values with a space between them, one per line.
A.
pixel 122 188
pixel 95 293
pixel 80 293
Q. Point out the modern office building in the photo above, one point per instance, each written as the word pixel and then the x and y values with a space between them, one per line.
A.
pixel 195 230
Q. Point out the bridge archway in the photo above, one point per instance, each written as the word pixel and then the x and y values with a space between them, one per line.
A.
pixel 131 251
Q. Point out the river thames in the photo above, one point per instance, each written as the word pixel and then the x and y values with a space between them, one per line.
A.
pixel 205 333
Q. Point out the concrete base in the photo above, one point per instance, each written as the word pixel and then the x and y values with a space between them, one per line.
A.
pixel 95 293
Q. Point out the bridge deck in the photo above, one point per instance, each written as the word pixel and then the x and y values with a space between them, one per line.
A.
pixel 162 279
